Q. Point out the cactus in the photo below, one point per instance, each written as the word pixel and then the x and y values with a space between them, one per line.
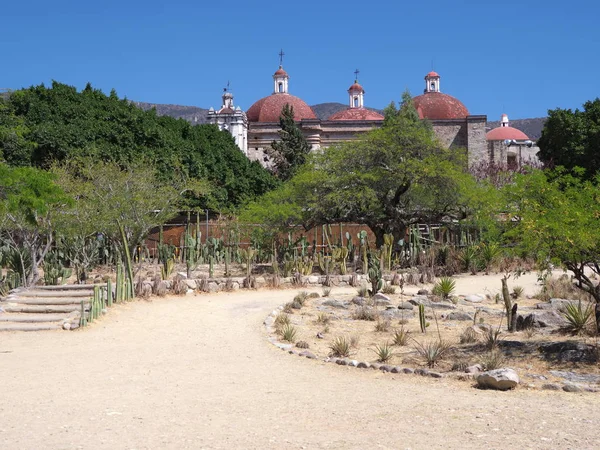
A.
pixel 388 240
pixel 82 320
pixel 422 322
pixel 374 274
pixel 340 254
pixel 248 256
pixel 109 293
pixel 167 268
pixel 211 266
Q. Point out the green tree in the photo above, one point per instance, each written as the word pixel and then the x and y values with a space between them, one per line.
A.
pixel 556 218
pixel 30 200
pixel 42 125
pixel 291 152
pixel 388 179
pixel 572 138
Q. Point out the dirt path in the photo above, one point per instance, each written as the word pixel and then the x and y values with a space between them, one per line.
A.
pixel 196 372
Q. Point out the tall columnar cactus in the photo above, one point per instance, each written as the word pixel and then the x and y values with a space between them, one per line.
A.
pixel 388 240
pixel 211 266
pixel 374 274
pixel 422 322
pixel 340 255
pixel 109 293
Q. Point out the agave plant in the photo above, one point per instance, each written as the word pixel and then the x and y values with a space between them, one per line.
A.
pixel 445 287
pixel 433 351
pixel 578 316
pixel 340 347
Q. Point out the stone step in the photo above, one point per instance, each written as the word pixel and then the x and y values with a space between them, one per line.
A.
pixel 40 293
pixel 34 318
pixel 11 326
pixel 45 301
pixel 41 309
pixel 69 287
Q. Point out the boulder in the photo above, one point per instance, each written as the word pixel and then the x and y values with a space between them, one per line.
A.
pixel 406 306
pixel 474 298
pixel 549 319
pixel 335 304
pixel 476 368
pixel 499 379
pixel 360 301
pixel 422 292
pixel 577 377
pixel 439 305
pixel 459 315
pixel 420 300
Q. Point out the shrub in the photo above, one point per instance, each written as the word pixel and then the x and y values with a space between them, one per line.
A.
pixel 288 333
pixel 302 344
pixel 301 298
pixel 354 340
pixel 468 257
pixel 323 318
pixel 364 313
pixel 340 347
pixel 517 292
pixel 382 325
pixel 491 338
pixel 561 287
pixel 296 305
pixel 578 316
pixel 281 320
pixel 433 351
pixel 459 365
pixel 489 253
pixel 288 308
pixel 492 360
pixel 362 291
pixel 400 337
pixel 469 336
pixel 384 352
pixel 388 289
pixel 313 295
pixel 445 287
pixel 326 291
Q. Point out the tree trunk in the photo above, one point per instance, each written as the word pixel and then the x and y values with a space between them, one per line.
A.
pixel 597 317
pixel 513 318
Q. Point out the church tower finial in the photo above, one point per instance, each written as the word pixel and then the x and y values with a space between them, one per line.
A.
pixel 432 82
pixel 356 93
pixel 280 77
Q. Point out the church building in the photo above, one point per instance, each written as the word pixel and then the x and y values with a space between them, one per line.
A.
pixel 454 126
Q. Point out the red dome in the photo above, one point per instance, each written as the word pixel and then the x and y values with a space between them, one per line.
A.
pixel 356 88
pixel 432 74
pixel 438 106
pixel 280 72
pixel 502 133
pixel 268 109
pixel 356 114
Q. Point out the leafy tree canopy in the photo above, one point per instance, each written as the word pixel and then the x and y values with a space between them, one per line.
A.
pixel 388 179
pixel 572 138
pixel 41 125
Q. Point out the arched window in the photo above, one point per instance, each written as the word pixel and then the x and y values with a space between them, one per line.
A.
pixel 280 87
pixel 433 86
pixel 356 102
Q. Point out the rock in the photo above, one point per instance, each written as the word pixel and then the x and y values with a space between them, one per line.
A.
pixel 576 377
pixel 422 292
pixel 363 365
pixel 499 379
pixel 549 319
pixel 408 370
pixel 360 301
pixel 381 299
pixel 320 335
pixel 569 351
pixel 439 305
pixel 436 375
pixel 335 304
pixel 342 362
pixel 476 368
pixel 269 321
pixel 385 368
pixel 308 354
pixel 569 387
pixel 459 315
pixel 182 275
pixel 551 387
pixel 302 344
pixel 420 300
pixel 313 279
pixel 284 346
pixel 353 363
pixel 396 369
pixel 473 298
pixel 66 326
pixel 397 314
pixel 375 366
pixel 406 306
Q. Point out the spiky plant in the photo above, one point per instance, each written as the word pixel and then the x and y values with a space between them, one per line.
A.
pixel 340 347
pixel 433 351
pixel 469 336
pixel 326 291
pixel 445 287
pixel 578 316
pixel 382 325
pixel 400 337
pixel 492 360
pixel 288 333
pixel 384 352
pixel 365 313
pixel 323 318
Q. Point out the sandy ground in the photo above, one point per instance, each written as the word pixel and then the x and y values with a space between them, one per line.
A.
pixel 196 372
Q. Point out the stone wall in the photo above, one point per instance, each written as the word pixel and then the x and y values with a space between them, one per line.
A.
pixel 451 133
pixel 476 143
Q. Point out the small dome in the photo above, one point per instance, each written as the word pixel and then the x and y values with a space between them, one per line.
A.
pixel 438 106
pixel 280 72
pixel 432 74
pixel 356 114
pixel 268 109
pixel 503 133
pixel 356 88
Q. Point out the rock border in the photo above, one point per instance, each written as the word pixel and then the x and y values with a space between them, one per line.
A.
pixel 386 368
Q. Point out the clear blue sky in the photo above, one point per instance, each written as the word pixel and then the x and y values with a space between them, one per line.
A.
pixel 519 57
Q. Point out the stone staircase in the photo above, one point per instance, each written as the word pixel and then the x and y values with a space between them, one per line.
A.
pixel 44 307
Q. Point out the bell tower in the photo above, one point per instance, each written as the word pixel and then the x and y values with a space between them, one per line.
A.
pixel 432 82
